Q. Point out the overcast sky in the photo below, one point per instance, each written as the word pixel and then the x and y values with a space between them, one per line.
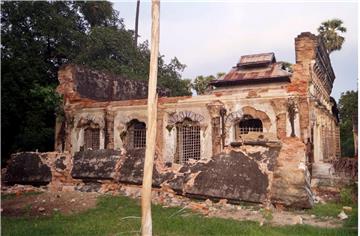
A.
pixel 210 37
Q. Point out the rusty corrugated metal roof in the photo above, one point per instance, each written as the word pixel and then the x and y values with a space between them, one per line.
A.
pixel 257 68
pixel 257 59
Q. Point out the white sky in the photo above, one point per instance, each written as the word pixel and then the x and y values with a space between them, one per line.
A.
pixel 210 37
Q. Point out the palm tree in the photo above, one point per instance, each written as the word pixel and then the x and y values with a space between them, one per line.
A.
pixel 329 31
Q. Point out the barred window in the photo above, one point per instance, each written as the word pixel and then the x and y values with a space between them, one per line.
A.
pixel 137 134
pixel 248 124
pixel 92 138
pixel 188 141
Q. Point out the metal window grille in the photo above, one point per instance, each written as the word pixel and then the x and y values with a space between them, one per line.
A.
pixel 245 130
pixel 137 135
pixel 188 141
pixel 92 139
pixel 249 125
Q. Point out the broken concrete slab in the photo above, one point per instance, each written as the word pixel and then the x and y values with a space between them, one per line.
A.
pixel 95 164
pixel 27 168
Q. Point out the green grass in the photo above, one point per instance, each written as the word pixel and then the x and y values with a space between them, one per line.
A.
pixel 108 219
pixel 348 197
pixel 328 209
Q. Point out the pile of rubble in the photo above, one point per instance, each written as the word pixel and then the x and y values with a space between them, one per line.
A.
pixel 19 189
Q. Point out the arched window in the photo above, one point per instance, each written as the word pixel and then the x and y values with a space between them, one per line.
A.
pixel 248 124
pixel 136 134
pixel 92 138
pixel 187 141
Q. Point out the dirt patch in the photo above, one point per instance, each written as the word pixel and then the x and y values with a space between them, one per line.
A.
pixel 46 203
pixel 21 202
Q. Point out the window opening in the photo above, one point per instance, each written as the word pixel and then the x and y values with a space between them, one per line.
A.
pixel 188 141
pixel 92 138
pixel 248 124
pixel 137 132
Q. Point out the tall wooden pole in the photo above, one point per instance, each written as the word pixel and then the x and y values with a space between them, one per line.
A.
pixel 137 21
pixel 146 222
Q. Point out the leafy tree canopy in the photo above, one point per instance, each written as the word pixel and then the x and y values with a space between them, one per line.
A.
pixel 201 83
pixel 38 37
pixel 348 111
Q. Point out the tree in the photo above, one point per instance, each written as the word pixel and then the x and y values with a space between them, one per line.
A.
pixel 201 83
pixel 170 77
pixel 99 13
pixel 348 111
pixel 287 66
pixel 112 49
pixel 330 31
pixel 37 38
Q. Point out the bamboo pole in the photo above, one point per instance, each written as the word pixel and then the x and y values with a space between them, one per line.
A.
pixel 146 221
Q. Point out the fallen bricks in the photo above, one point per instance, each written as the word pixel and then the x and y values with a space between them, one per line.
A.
pixel 239 174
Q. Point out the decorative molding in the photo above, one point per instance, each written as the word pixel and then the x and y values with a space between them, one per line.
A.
pixel 84 119
pixel 180 116
pixel 232 117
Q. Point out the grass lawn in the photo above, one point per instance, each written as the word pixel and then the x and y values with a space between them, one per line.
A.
pixel 121 216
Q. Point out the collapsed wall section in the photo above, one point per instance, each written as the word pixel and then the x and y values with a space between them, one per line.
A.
pixel 247 173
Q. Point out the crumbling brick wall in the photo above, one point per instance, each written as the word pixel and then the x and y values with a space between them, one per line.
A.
pixel 311 83
pixel 80 82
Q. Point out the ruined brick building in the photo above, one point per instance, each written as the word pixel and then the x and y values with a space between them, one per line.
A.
pixel 250 138
pixel 256 97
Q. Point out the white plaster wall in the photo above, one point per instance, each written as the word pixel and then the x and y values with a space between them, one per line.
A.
pixel 123 115
pixel 169 148
pixel 198 104
pixel 264 106
pixel 77 134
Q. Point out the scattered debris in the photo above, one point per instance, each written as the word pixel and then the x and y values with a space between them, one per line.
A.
pixel 41 209
pixel 298 220
pixel 222 209
pixel 347 208
pixel 342 216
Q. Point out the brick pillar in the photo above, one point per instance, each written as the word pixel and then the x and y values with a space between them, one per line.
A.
pixel 281 125
pixel 160 134
pixel 69 125
pixel 216 134
pixel 305 51
pixel 214 111
pixel 305 45
pixel 109 129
